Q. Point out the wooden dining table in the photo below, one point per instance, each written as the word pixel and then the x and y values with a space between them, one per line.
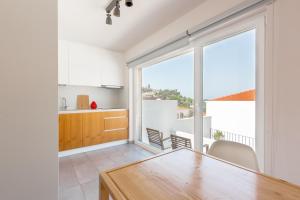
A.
pixel 187 175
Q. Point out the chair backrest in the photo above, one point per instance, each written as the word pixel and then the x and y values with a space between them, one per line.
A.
pixel 234 152
pixel 155 137
pixel 178 142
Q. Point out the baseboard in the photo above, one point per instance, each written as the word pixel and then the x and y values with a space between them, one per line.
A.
pixel 130 142
pixel 91 148
pixel 148 147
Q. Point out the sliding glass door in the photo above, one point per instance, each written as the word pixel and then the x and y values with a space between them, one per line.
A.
pixel 214 92
pixel 230 85
pixel 229 89
pixel 167 99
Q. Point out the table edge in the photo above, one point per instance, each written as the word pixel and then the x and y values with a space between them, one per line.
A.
pixel 111 186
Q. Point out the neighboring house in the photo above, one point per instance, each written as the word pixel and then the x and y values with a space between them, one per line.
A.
pixel 184 112
pixel 234 113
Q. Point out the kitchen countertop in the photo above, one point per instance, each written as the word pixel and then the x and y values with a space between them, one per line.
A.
pixel 90 110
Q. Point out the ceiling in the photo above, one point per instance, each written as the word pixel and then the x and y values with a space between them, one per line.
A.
pixel 84 21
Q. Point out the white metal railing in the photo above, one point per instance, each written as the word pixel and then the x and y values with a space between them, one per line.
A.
pixel 250 141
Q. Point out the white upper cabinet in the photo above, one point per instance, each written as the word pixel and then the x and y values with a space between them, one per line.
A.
pixel 63 63
pixel 84 65
pixel 113 69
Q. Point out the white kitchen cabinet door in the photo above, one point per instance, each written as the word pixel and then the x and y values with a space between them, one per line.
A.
pixel 113 69
pixel 63 63
pixel 84 65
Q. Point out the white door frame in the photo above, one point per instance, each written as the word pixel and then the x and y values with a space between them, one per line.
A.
pixel 198 98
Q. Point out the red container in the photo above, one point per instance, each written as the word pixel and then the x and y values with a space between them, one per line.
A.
pixel 93 105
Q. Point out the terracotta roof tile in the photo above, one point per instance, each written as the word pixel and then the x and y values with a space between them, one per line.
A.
pixel 248 95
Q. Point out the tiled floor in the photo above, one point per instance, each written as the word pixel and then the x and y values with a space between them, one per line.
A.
pixel 79 174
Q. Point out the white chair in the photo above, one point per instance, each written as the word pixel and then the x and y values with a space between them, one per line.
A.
pixel 234 152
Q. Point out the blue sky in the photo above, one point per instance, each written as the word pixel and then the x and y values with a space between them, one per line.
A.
pixel 175 73
pixel 229 67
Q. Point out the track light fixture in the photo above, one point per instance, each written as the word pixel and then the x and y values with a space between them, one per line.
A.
pixel 117 9
pixel 128 3
pixel 108 19
pixel 115 6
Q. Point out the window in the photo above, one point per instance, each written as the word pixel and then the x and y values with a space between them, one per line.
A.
pixel 168 97
pixel 229 89
pixel 214 92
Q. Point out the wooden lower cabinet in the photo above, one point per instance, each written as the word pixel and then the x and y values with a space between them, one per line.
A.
pixel 70 131
pixel 86 129
pixel 112 135
pixel 93 127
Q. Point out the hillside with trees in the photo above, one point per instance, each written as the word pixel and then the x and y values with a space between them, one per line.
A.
pixel 167 94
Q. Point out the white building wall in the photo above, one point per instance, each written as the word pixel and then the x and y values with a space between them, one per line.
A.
pixel 159 114
pixel 162 115
pixel 232 116
pixel 206 126
pixel 185 125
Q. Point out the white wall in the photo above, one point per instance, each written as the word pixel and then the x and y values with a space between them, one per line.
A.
pixel 286 99
pixel 28 108
pixel 205 11
pixel 232 116
pixel 105 98
pixel 124 96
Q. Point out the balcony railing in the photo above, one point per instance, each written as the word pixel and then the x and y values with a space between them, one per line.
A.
pixel 250 141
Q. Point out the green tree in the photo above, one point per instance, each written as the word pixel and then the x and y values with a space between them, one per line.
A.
pixel 168 94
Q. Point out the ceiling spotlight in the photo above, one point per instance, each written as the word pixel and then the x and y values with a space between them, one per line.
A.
pixel 117 9
pixel 128 3
pixel 108 19
pixel 114 8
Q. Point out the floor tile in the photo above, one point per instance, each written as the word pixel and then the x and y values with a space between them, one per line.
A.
pixel 86 172
pixel 67 176
pixel 79 174
pixel 74 193
pixel 91 190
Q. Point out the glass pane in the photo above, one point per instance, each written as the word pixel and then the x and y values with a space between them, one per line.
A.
pixel 229 90
pixel 167 100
